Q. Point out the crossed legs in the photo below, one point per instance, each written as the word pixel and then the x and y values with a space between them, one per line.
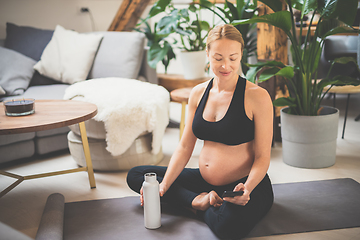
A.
pixel 190 190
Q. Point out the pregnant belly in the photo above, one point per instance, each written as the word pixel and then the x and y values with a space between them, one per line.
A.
pixel 220 164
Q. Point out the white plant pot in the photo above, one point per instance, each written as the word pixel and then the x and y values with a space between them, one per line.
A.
pixel 309 141
pixel 193 64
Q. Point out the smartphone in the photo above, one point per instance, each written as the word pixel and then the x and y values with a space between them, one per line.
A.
pixel 232 194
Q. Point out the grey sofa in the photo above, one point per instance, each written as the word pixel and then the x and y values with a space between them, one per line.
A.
pixel 120 54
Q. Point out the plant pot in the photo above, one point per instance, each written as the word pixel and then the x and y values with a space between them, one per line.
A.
pixel 193 64
pixel 309 141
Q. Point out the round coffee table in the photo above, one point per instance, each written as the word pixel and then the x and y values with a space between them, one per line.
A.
pixel 50 114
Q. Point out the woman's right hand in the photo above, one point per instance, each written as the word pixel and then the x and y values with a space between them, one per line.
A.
pixel 162 190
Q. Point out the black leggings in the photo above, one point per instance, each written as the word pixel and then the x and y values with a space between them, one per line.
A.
pixel 229 221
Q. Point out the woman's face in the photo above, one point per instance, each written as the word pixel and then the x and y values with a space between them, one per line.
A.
pixel 224 57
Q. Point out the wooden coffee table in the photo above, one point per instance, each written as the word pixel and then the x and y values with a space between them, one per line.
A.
pixel 50 114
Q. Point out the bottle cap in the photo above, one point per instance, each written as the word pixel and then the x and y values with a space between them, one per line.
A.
pixel 150 177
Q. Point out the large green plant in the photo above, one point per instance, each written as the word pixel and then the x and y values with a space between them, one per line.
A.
pixel 306 92
pixel 192 31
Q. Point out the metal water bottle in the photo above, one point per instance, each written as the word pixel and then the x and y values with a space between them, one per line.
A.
pixel 152 211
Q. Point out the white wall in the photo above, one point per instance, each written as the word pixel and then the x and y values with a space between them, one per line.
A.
pixel 47 14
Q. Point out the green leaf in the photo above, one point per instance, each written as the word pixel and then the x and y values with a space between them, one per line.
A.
pixel 206 3
pixel 326 8
pixel 287 72
pixel 158 7
pixel 268 73
pixel 192 8
pixel 346 80
pixel 233 10
pixel 308 6
pixel 156 53
pixel 282 102
pixel 169 55
pixel 280 19
pixel 346 11
pixel 345 60
pixel 204 25
pixel 168 24
pixel 297 4
pixel 341 29
pixel 251 74
pixel 183 32
pixel 312 56
pixel 184 13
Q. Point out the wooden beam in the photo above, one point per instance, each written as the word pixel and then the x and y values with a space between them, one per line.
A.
pixel 128 15
pixel 272 41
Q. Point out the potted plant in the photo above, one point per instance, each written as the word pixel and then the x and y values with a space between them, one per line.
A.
pixel 315 145
pixel 191 29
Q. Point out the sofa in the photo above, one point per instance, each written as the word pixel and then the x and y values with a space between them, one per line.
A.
pixel 119 54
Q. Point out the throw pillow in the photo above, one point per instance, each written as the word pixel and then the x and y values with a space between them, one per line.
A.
pixel 31 42
pixel 68 56
pixel 2 91
pixel 27 40
pixel 120 55
pixel 39 80
pixel 16 71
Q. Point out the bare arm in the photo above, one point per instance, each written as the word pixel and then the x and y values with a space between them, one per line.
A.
pixel 186 146
pixel 262 111
pixel 263 118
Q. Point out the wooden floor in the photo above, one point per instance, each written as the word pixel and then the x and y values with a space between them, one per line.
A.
pixel 22 207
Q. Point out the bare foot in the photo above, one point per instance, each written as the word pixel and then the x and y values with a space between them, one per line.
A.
pixel 215 200
pixel 204 200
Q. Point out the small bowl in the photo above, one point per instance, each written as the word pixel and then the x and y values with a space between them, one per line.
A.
pixel 19 107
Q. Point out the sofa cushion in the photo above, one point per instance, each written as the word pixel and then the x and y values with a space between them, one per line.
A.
pixel 52 132
pixel 27 40
pixel 2 91
pixel 16 71
pixel 31 42
pixel 69 55
pixel 50 144
pixel 120 55
pixel 38 80
pixel 55 91
pixel 12 152
pixel 13 138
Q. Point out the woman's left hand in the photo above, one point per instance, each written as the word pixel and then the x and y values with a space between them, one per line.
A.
pixel 239 200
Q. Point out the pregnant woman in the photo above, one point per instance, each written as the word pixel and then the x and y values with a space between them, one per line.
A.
pixel 234 117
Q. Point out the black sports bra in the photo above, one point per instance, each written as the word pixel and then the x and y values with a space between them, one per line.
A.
pixel 234 128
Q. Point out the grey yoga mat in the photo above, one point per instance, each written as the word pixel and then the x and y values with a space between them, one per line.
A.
pixel 52 220
pixel 298 207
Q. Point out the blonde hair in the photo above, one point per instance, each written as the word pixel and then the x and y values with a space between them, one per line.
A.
pixel 227 31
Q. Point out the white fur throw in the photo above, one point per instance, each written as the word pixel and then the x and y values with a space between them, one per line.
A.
pixel 127 107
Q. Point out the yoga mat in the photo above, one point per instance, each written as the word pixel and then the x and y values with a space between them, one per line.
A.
pixel 123 218
pixel 52 220
pixel 298 207
pixel 312 206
